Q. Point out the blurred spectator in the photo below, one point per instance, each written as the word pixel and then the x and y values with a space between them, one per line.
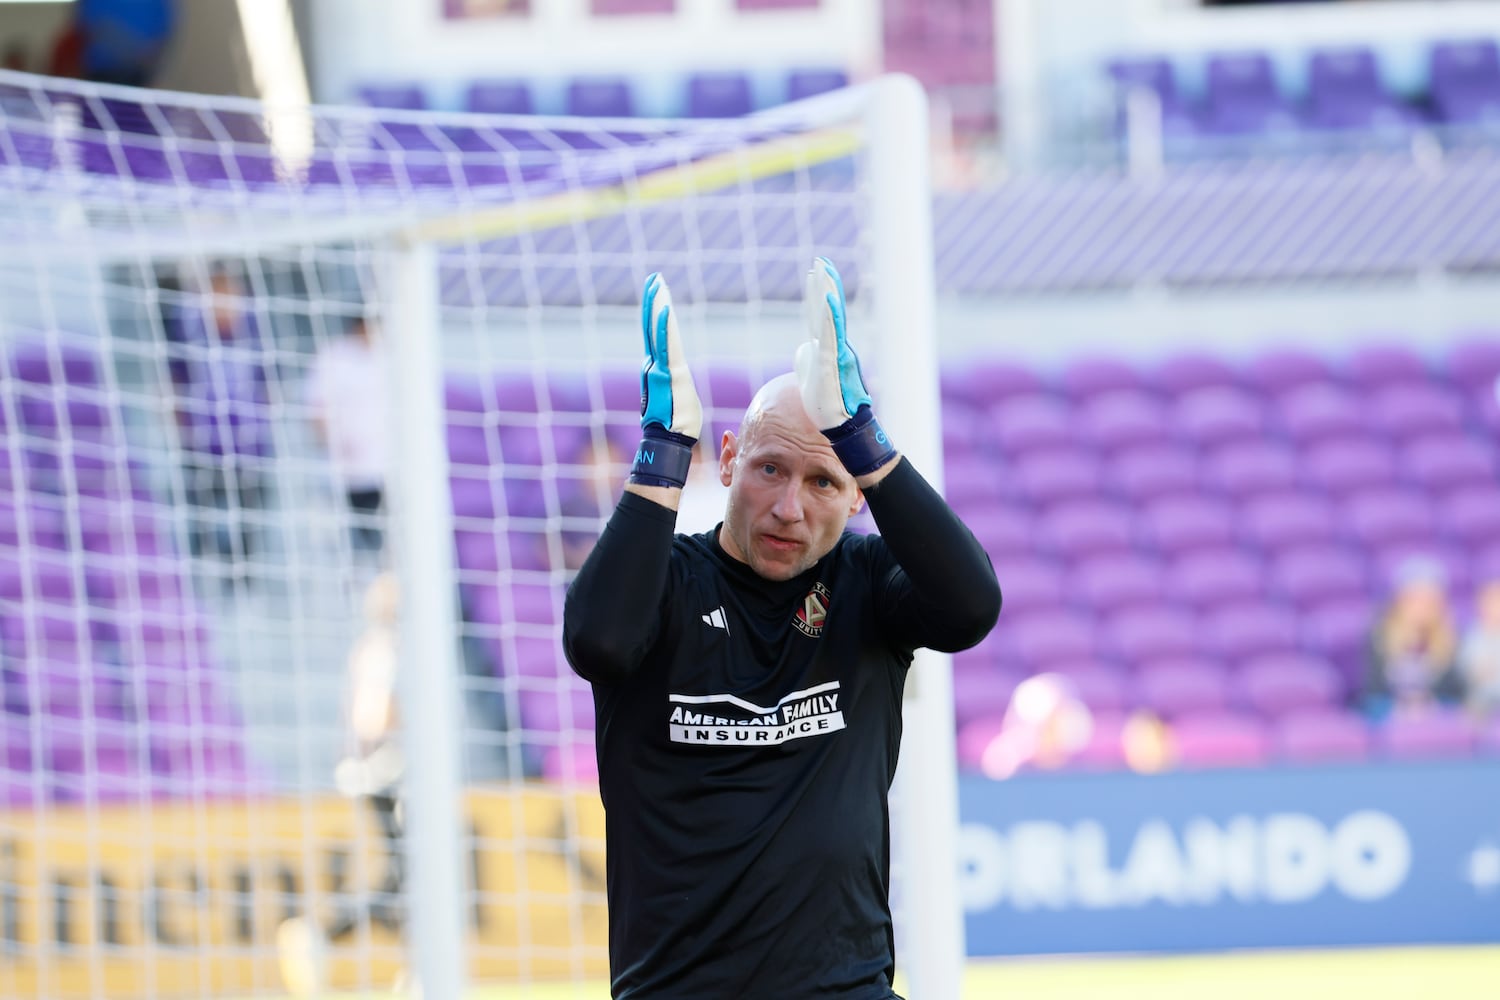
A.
pixel 372 773
pixel 222 409
pixel 119 41
pixel 1411 664
pixel 1479 657
pixel 346 393
pixel 1045 724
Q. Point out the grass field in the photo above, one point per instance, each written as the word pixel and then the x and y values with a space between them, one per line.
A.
pixel 1470 973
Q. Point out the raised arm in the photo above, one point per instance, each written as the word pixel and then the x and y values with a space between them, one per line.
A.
pixel 613 609
pixel 946 588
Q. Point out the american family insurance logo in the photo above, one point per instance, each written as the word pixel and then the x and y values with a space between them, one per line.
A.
pixel 728 720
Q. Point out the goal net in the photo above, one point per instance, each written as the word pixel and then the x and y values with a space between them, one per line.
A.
pixel 306 418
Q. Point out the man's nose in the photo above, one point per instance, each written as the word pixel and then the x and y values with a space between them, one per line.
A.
pixel 789 503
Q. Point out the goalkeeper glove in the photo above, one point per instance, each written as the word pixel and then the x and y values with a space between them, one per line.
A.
pixel 671 415
pixel 833 389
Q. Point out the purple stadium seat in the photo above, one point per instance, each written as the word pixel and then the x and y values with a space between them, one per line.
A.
pixel 1122 419
pixel 1180 524
pixel 1281 371
pixel 1342 465
pixel 1345 92
pixel 1208 578
pixel 1451 564
pixel 1044 638
pixel 1443 462
pixel 1054 475
pixel 1383 365
pixel 1154 75
pixel 1243 96
pixel 1088 527
pixel 1435 734
pixel 1321 736
pixel 559 708
pixel 1475 363
pixel 987 382
pixel 1339 630
pixel 1464 81
pixel 1286 682
pixel 1405 411
pixel 972 482
pixel 571 761
pixel 397 96
pixel 1218 415
pixel 1094 376
pixel 1277 520
pixel 1471 514
pixel 1003 531
pixel 600 97
pixel 981 689
pixel 43 362
pixel 1383 517
pixel 963 431
pixel 719 95
pixel 1030 422
pixel 1175 687
pixel 1139 635
pixel 1184 373
pixel 1101 688
pixel 1105 750
pixel 803 83
pixel 499 97
pixel 1149 472
pixel 1318 410
pixel 1116 582
pixel 1313 574
pixel 1032 585
pixel 1240 632
pixel 1220 739
pixel 1246 468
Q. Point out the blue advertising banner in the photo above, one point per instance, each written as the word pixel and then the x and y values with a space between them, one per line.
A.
pixel 1376 854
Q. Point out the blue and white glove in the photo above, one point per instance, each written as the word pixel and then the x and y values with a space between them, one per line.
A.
pixel 671 414
pixel 833 389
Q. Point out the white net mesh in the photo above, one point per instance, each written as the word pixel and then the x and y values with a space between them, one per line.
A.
pixel 196 610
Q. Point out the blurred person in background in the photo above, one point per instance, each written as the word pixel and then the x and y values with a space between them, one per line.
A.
pixel 346 393
pixel 371 773
pixel 1045 724
pixel 217 366
pixel 117 41
pixel 1411 663
pixel 1479 656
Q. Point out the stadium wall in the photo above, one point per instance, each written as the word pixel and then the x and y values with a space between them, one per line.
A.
pixel 1361 855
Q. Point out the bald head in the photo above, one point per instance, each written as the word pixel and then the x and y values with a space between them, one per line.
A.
pixel 789 497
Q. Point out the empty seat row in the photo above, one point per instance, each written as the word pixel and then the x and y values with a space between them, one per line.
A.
pixel 721 94
pixel 1345 91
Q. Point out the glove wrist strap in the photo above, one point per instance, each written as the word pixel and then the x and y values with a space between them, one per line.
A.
pixel 662 458
pixel 861 443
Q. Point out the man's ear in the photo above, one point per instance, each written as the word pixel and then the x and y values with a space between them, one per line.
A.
pixel 729 448
pixel 858 503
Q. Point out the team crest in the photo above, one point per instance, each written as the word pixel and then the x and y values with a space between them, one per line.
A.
pixel 812 612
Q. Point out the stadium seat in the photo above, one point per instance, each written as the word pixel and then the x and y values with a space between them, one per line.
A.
pixel 1211 577
pixel 1248 468
pixel 1153 75
pixel 1238 633
pixel 1183 686
pixel 1343 465
pixel 1112 583
pixel 1464 81
pixel 1177 525
pixel 1122 419
pixel 1028 422
pixel 1082 527
pixel 719 95
pixel 1151 472
pixel 1243 97
pixel 1046 477
pixel 1345 91
pixel 499 97
pixel 1445 462
pixel 1280 683
pixel 1279 371
pixel 1183 373
pixel 598 97
pixel 395 96
pixel 1437 733
pixel 1220 739
pixel 1217 415
pixel 1321 736
pixel 803 83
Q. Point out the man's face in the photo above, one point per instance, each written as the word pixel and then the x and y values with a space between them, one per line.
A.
pixel 789 498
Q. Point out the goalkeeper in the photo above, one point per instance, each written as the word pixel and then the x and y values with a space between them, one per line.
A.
pixel 748 680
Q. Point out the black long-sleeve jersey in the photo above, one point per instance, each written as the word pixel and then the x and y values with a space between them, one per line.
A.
pixel 748 733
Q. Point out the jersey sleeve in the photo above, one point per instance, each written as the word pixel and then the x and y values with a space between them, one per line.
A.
pixel 937 588
pixel 613 611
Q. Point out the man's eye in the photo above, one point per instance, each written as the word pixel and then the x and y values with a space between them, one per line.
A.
pixel 768 469
pixel 824 483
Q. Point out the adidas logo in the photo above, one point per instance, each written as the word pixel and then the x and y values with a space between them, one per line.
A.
pixel 716 619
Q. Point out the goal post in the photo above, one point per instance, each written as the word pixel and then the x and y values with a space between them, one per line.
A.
pixel 177 278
